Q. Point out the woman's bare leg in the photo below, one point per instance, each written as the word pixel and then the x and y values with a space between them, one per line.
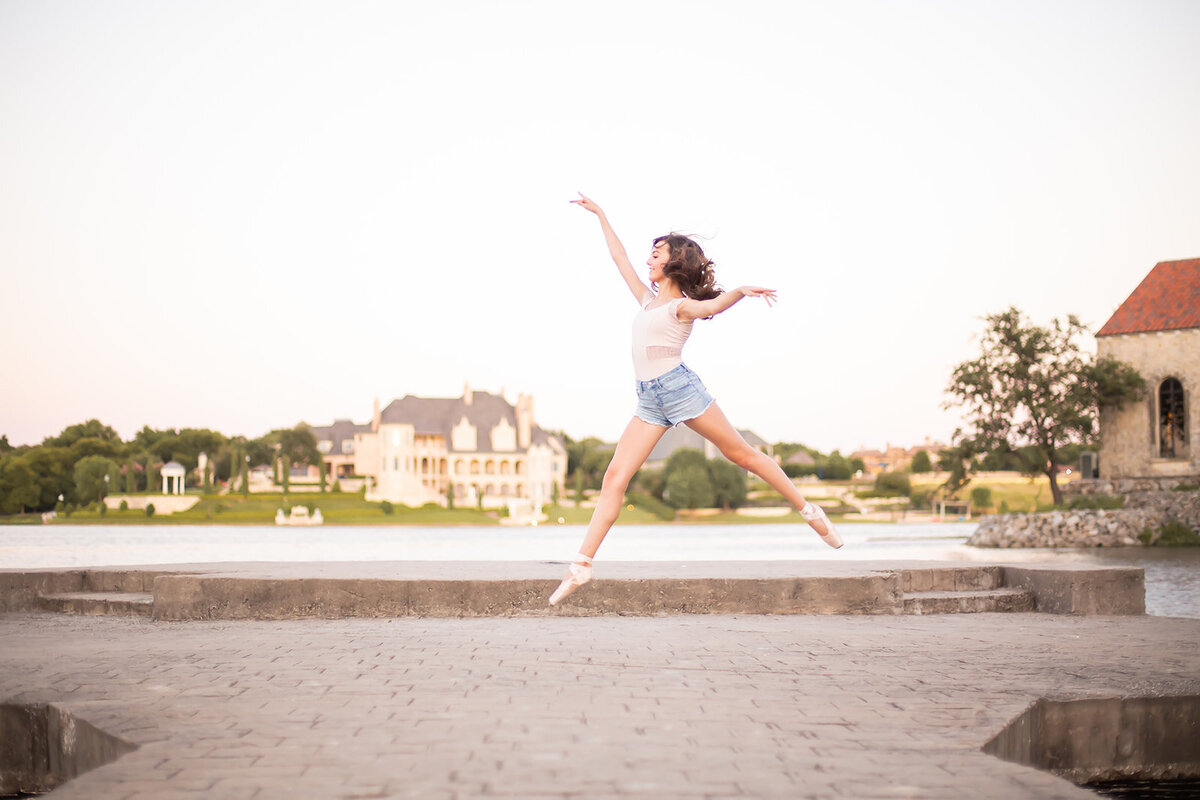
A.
pixel 632 450
pixel 714 426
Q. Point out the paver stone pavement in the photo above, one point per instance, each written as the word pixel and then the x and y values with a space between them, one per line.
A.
pixel 586 707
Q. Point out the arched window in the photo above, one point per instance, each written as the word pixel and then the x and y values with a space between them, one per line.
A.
pixel 474 466
pixel 489 467
pixel 1172 420
pixel 505 467
pixel 504 490
pixel 459 467
pixel 520 467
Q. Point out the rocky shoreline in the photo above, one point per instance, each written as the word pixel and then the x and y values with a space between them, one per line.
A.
pixel 1138 524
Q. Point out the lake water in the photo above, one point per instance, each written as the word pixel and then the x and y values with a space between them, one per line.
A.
pixel 1172 574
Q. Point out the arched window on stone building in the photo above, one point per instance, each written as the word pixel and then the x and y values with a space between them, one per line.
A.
pixel 1172 420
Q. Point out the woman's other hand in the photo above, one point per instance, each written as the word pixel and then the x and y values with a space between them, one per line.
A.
pixel 588 203
pixel 758 291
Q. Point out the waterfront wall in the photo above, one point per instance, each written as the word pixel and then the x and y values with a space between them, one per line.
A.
pixel 1143 511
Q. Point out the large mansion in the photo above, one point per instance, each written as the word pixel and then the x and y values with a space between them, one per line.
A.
pixel 418 449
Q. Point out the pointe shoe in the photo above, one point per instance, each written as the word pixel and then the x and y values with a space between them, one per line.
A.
pixel 577 575
pixel 814 513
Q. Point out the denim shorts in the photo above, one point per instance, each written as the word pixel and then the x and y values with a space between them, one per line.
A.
pixel 672 398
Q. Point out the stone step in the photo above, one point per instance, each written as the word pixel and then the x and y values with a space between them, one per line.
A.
pixel 951 579
pixel 975 602
pixel 98 603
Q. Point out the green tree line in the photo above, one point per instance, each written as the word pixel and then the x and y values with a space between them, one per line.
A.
pixel 89 460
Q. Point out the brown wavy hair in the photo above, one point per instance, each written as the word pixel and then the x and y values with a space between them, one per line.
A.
pixel 687 265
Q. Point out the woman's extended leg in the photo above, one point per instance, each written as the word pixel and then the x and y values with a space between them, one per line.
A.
pixel 714 426
pixel 633 447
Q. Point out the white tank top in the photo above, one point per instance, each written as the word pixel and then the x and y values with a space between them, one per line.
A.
pixel 658 338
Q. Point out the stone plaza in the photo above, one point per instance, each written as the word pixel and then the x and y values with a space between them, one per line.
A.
pixel 672 706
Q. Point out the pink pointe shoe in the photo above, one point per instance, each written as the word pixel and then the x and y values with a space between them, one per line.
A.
pixel 578 573
pixel 815 514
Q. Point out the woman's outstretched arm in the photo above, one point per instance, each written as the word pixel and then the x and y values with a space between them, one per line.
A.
pixel 702 309
pixel 615 249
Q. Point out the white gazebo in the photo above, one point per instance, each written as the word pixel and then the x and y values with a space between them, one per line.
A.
pixel 172 477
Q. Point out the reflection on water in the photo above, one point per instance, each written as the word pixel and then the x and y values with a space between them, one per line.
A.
pixel 1172 575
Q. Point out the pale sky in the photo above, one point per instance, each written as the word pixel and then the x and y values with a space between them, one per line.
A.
pixel 241 215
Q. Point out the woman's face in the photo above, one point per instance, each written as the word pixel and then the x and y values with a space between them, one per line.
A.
pixel 659 257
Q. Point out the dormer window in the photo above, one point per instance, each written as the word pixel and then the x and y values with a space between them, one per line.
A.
pixel 325 446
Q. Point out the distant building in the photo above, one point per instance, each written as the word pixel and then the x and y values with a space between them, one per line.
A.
pixel 336 444
pixel 896 459
pixel 482 446
pixel 682 436
pixel 800 458
pixel 1156 331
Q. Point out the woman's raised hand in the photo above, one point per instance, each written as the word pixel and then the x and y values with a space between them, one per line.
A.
pixel 588 203
pixel 758 291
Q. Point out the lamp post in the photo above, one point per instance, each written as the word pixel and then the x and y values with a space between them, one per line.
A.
pixel 105 490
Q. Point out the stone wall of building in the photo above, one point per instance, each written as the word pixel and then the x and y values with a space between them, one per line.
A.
pixel 1144 511
pixel 1129 434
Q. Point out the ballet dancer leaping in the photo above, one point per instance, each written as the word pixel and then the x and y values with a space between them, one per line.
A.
pixel 682 289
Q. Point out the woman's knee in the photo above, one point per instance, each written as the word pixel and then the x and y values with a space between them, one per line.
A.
pixel 615 480
pixel 743 456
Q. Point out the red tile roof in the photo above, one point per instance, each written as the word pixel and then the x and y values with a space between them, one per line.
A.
pixel 1167 299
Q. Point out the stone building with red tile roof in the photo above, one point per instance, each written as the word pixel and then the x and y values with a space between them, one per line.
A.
pixel 1157 331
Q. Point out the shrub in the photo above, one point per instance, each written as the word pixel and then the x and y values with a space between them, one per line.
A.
pixel 652 504
pixel 1176 534
pixel 921 462
pixel 919 498
pixel 1003 509
pixel 894 484
pixel 386 507
pixel 981 497
pixel 103 509
pixel 1104 501
pixel 150 509
pixel 1187 487
pixel 124 505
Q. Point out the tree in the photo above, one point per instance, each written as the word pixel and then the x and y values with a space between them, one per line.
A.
pixel 682 458
pixel 285 469
pixel 90 474
pixel 689 486
pixel 921 463
pixel 19 487
pixel 1033 387
pixel 728 482
pixel 92 429
pixel 5 447
pixel 835 467
pixel 130 477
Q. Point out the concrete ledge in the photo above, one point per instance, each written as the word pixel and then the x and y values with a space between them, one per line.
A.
pixel 1078 589
pixel 475 589
pixel 180 597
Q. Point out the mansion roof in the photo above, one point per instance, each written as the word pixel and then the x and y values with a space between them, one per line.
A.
pixel 1166 299
pixel 437 415
pixel 340 430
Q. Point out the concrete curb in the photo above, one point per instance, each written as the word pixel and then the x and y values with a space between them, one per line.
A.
pixel 511 589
